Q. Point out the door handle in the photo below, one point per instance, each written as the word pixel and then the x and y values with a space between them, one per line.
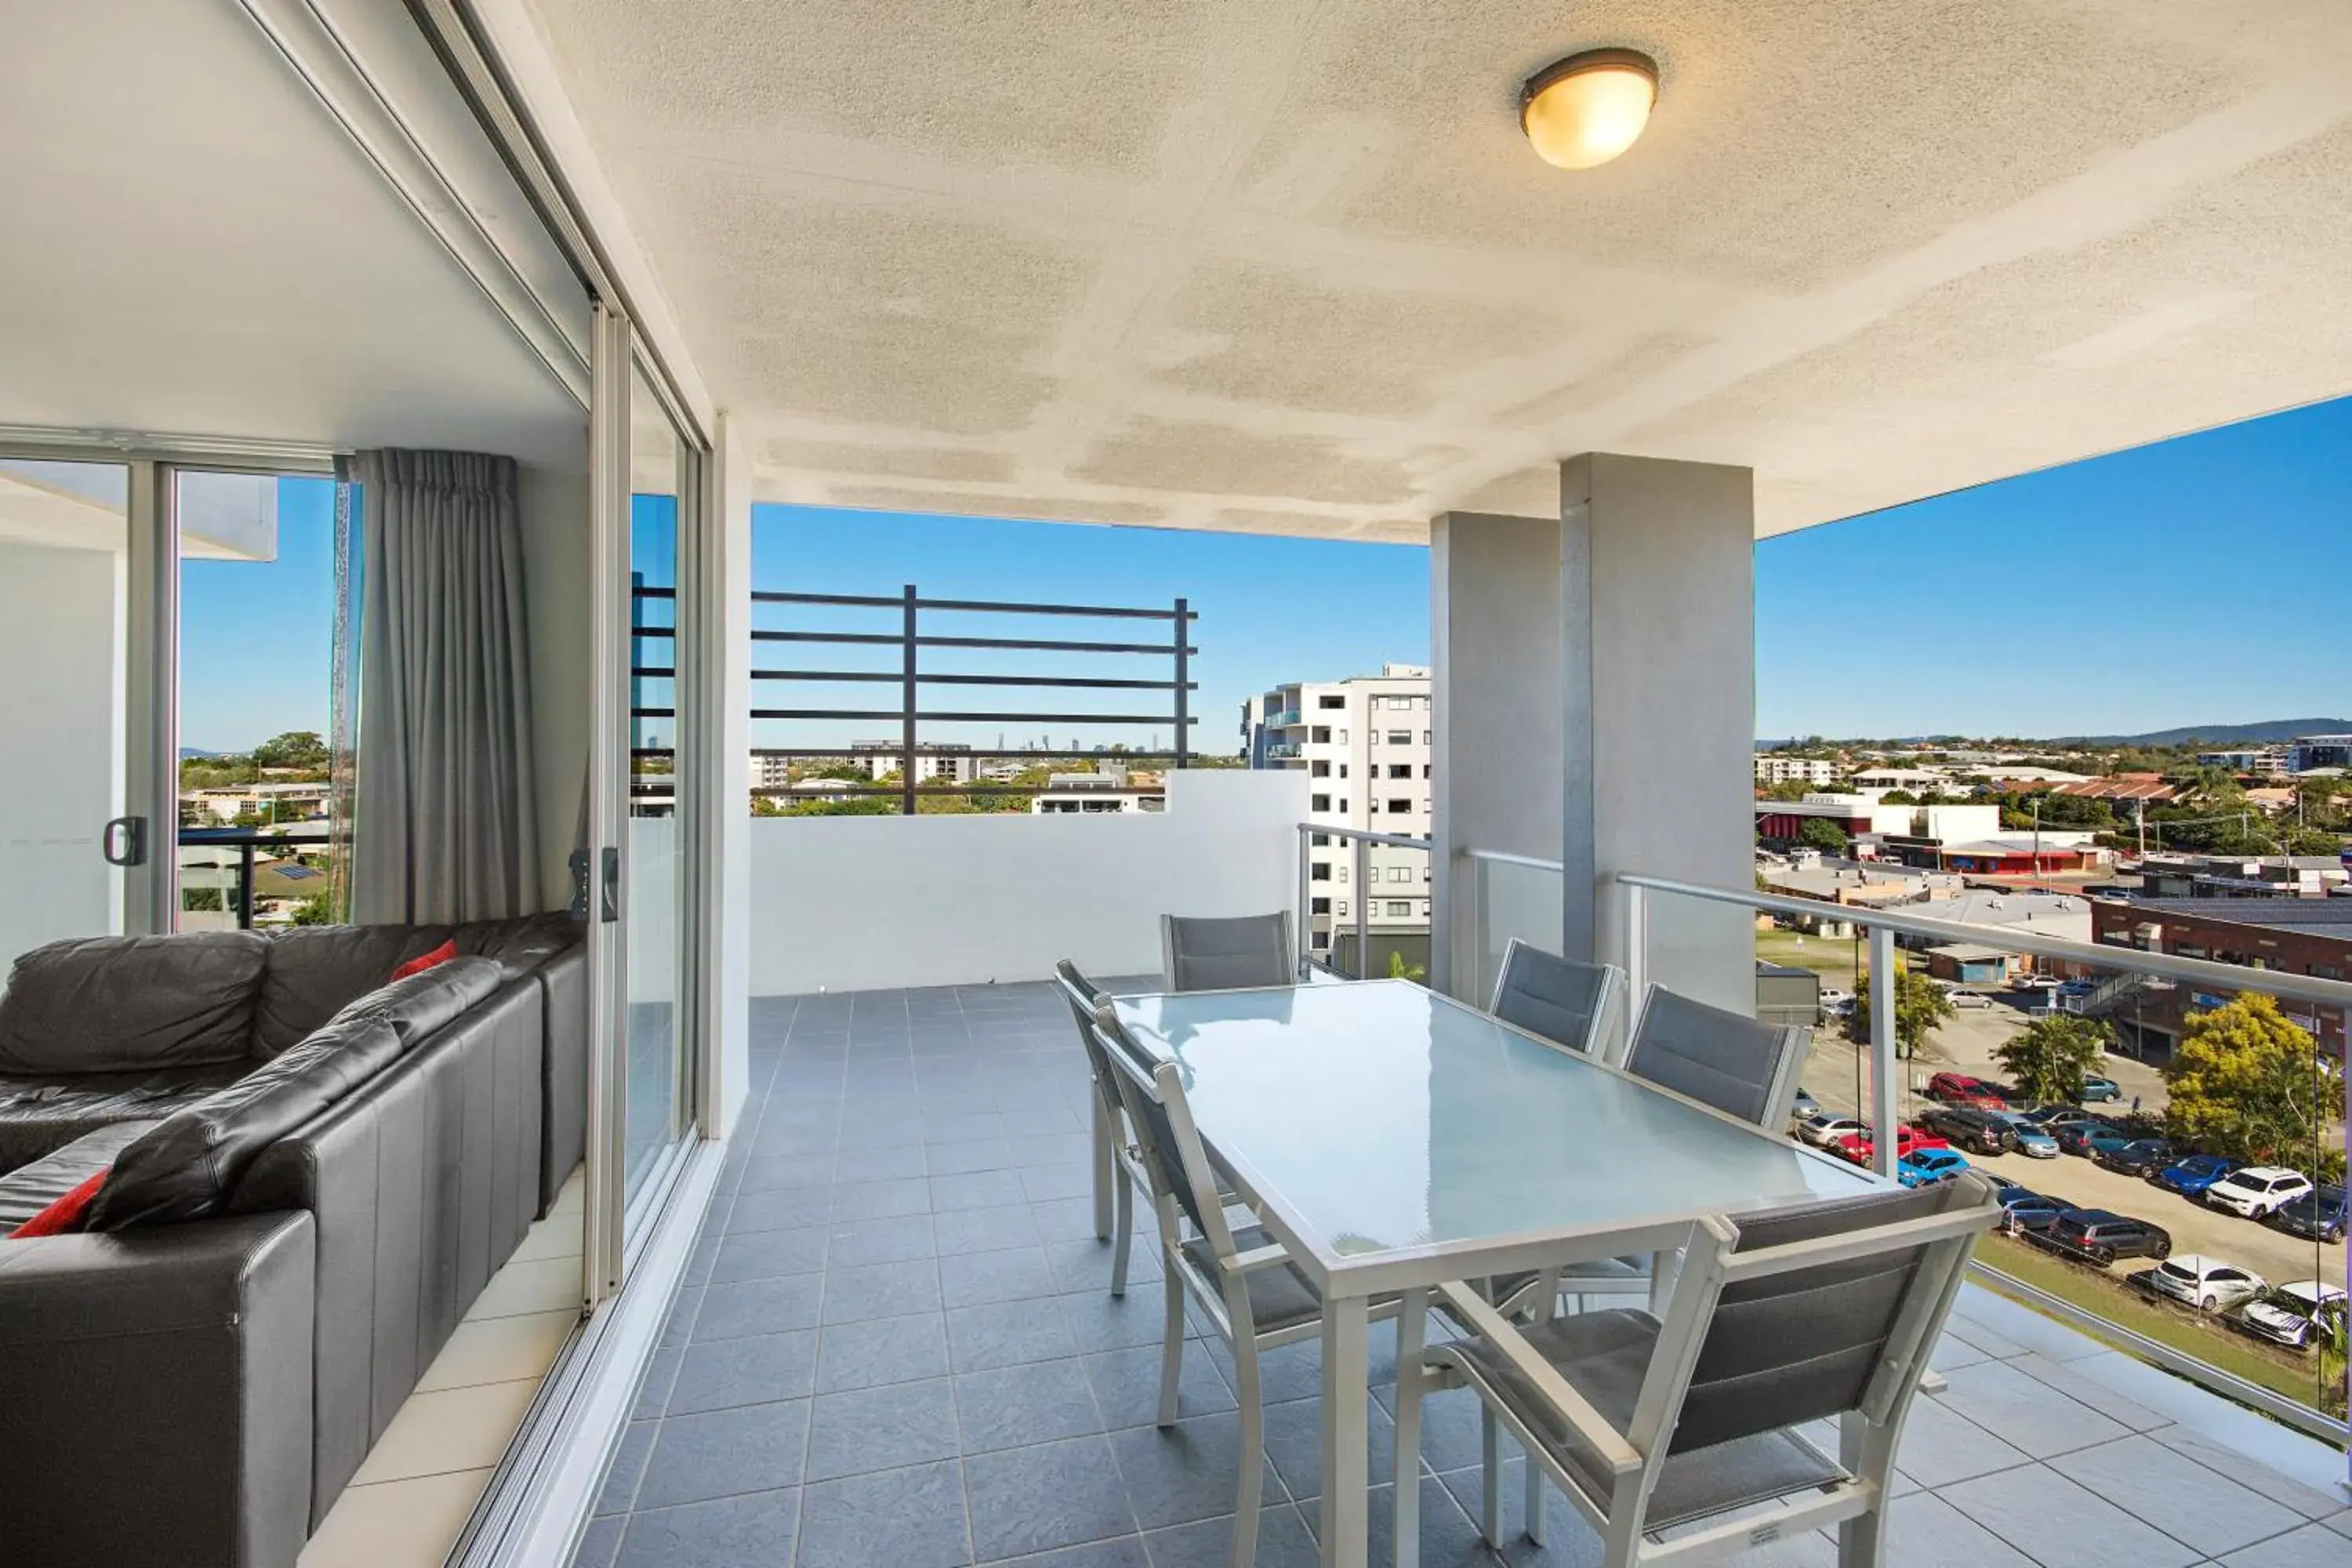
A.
pixel 123 841
pixel 611 880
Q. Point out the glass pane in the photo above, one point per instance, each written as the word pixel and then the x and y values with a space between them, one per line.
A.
pixel 654 1106
pixel 259 586
pixel 63 576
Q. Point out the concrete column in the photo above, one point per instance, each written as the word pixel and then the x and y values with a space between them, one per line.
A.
pixel 726 761
pixel 1658 617
pixel 1496 668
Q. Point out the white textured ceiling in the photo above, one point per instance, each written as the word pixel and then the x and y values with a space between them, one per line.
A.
pixel 1289 267
pixel 189 244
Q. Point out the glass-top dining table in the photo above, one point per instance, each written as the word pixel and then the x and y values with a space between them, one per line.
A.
pixel 1394 1138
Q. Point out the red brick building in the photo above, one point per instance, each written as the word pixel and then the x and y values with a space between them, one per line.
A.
pixel 2293 936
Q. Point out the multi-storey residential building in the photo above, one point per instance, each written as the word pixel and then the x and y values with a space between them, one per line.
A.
pixel 2310 752
pixel 1365 744
pixel 1774 769
pixel 947 761
pixel 2266 761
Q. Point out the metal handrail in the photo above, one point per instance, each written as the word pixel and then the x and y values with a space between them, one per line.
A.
pixel 2202 971
pixel 1363 838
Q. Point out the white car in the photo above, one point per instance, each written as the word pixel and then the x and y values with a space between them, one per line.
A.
pixel 2205 1283
pixel 1824 1131
pixel 2257 1191
pixel 2290 1314
pixel 1832 998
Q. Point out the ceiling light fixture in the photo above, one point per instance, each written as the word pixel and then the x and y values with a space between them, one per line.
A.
pixel 1581 112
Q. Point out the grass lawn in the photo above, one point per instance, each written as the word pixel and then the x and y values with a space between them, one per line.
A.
pixel 2106 1295
pixel 1831 959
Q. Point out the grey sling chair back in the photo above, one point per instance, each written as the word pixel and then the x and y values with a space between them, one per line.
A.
pixel 1776 1321
pixel 1243 1279
pixel 1117 1170
pixel 1565 1002
pixel 1719 1057
pixel 1243 952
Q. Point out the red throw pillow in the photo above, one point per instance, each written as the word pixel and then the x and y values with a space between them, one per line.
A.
pixel 66 1214
pixel 422 961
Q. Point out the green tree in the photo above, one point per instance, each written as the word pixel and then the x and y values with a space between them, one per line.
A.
pixel 2248 1081
pixel 1821 833
pixel 294 749
pixel 2049 1061
pixel 1899 797
pixel 1920 1005
pixel 1400 970
pixel 313 911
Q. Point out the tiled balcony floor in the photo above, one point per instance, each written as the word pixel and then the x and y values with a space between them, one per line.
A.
pixel 895 1348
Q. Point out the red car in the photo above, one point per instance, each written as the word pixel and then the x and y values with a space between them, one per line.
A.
pixel 1959 1088
pixel 1860 1147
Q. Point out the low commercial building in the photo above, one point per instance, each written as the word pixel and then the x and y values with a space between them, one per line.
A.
pixel 2023 855
pixel 2185 876
pixel 2290 936
pixel 2264 760
pixel 1787 996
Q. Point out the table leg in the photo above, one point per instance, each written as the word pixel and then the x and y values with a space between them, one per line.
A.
pixel 1347 1395
pixel 1105 1164
pixel 1412 1324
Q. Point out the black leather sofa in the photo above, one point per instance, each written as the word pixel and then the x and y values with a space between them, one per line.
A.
pixel 314 1172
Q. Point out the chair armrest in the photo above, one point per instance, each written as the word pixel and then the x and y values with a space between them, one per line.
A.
pixel 156 1390
pixel 1258 1257
pixel 1590 1426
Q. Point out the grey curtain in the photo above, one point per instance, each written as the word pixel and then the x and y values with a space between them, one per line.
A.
pixel 447 827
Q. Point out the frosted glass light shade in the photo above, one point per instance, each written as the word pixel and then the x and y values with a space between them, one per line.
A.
pixel 1587 108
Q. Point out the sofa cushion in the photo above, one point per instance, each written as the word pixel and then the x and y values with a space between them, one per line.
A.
pixel 315 970
pixel 39 1116
pixel 183 1167
pixel 429 999
pixel 438 956
pixel 113 1004
pixel 522 944
pixel 26 1191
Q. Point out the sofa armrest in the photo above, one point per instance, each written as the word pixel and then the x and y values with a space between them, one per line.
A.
pixel 156 1392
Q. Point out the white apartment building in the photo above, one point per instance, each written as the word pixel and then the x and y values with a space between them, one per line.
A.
pixel 942 760
pixel 1366 744
pixel 1774 769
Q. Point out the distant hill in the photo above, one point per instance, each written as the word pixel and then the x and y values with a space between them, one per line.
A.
pixel 2220 734
pixel 194 752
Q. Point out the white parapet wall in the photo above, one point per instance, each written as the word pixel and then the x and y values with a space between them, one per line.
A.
pixel 855 903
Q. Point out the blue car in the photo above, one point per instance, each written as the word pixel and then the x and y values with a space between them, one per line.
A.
pixel 2032 1138
pixel 2099 1090
pixel 2191 1176
pixel 1925 1167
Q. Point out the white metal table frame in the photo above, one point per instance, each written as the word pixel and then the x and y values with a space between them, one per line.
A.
pixel 1347 1280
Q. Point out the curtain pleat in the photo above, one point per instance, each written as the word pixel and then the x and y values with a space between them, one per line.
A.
pixel 446 824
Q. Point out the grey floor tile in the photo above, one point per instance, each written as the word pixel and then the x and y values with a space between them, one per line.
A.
pixel 753 1371
pixel 750 1532
pixel 1283 1542
pixel 1939 1447
pixel 881 1350
pixel 774 1172
pixel 963 1159
pixel 1117 1552
pixel 892 1518
pixel 1127 1385
pixel 618 1494
pixel 885 1428
pixel 756 1448
pixel 1012 1274
pixel 855 1243
pixel 1084 1267
pixel 984 1229
pixel 977 1190
pixel 1006 1334
pixel 735 1311
pixel 1107 1322
pixel 2067 1378
pixel 1185 1472
pixel 1451 1434
pixel 1044 1497
pixel 2024 1506
pixel 1036 1120
pixel 1007 1407
pixel 1045 1183
pixel 661 1376
pixel 599 1542
pixel 886 1164
pixel 881 1200
pixel 1061 1147
pixel 784 1208
pixel 1448 1539
pixel 1066 1219
pixel 881 1290
pixel 962 1126
pixel 2189 1503
pixel 2012 1405
pixel 679 1327
pixel 1294 1442
pixel 2312 1546
pixel 768 1254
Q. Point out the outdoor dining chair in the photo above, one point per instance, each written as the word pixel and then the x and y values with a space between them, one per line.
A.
pixel 1127 1171
pixel 1566 1001
pixel 1233 953
pixel 1253 1296
pixel 1719 1058
pixel 1648 1424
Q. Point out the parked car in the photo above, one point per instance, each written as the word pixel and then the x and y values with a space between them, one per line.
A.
pixel 1863 1147
pixel 2257 1191
pixel 1963 997
pixel 1834 1000
pixel 2102 1235
pixel 1985 1131
pixel 1929 1166
pixel 2319 1215
pixel 1959 1088
pixel 2192 1174
pixel 1804 1109
pixel 1824 1131
pixel 2030 1212
pixel 2092 1141
pixel 2292 1315
pixel 2208 1284
pixel 2055 1118
pixel 2099 1090
pixel 2033 982
pixel 2140 1157
pixel 2028 1139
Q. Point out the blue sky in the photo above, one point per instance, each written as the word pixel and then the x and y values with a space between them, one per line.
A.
pixel 2200 581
